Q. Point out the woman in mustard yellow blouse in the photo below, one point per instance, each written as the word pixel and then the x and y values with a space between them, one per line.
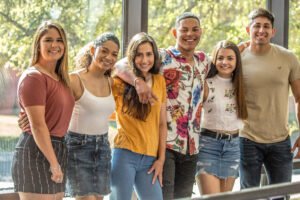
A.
pixel 139 147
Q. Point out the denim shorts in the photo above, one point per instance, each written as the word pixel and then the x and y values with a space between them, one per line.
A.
pixel 89 164
pixel 219 157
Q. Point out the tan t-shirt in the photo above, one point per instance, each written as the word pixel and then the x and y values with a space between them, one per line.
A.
pixel 136 135
pixel 267 78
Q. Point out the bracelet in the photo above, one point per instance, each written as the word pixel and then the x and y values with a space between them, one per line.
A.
pixel 134 82
pixel 53 169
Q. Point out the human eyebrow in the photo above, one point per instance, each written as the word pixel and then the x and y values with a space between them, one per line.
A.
pixel 105 48
pixel 149 53
pixel 48 38
pixel 183 29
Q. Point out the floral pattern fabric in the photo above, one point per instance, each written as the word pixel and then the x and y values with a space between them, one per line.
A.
pixel 220 108
pixel 185 84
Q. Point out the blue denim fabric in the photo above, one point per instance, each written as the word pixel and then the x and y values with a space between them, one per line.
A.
pixel 178 175
pixel 219 157
pixel 129 170
pixel 89 165
pixel 276 157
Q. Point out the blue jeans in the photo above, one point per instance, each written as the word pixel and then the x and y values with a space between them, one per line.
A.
pixel 276 157
pixel 179 175
pixel 129 170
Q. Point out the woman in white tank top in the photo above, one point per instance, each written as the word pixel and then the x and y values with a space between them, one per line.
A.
pixel 89 153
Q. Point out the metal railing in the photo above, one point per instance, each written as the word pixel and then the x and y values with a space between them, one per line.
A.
pixel 257 193
pixel 266 191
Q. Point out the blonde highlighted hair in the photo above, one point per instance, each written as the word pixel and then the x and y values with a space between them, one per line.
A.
pixel 61 68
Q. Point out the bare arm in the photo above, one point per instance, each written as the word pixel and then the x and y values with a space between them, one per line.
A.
pixel 157 166
pixel 75 84
pixel 243 45
pixel 123 71
pixel 41 135
pixel 143 90
pixel 206 91
pixel 295 85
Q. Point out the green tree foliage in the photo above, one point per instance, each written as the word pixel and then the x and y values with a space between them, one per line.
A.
pixel 294 27
pixel 83 20
pixel 220 19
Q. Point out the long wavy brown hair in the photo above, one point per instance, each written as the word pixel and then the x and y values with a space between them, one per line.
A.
pixel 237 75
pixel 131 103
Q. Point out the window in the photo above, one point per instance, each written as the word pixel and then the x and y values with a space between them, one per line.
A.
pixel 224 19
pixel 294 27
pixel 83 21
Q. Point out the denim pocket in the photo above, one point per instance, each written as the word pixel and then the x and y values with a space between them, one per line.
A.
pixel 75 141
pixel 281 151
pixel 249 151
pixel 105 151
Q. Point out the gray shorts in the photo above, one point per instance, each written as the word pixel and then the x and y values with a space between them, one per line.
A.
pixel 30 168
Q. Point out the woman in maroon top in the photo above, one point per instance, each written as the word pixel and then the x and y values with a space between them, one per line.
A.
pixel 46 100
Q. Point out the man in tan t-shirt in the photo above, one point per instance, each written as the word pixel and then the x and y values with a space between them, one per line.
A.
pixel 269 71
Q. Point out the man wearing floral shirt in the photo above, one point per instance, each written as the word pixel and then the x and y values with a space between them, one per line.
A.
pixel 184 70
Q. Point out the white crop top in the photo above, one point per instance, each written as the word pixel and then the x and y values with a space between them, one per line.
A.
pixel 91 113
pixel 219 109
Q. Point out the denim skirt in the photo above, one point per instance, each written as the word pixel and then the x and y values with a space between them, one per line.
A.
pixel 219 157
pixel 89 164
pixel 30 168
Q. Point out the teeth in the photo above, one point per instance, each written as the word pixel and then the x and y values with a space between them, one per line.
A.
pixel 54 51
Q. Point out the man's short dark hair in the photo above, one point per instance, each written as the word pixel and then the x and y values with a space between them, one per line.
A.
pixel 185 15
pixel 261 12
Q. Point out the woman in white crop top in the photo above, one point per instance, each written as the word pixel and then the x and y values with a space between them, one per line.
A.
pixel 89 153
pixel 223 110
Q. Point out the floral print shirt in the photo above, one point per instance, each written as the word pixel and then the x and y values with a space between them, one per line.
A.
pixel 185 84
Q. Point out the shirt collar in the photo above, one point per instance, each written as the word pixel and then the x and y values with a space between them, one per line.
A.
pixel 177 54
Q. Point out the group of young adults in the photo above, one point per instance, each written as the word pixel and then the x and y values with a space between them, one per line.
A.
pixel 159 96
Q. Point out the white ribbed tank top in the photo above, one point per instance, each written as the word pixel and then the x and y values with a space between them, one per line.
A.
pixel 91 113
